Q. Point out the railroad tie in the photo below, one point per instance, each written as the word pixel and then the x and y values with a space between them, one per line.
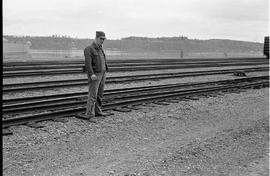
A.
pixel 215 94
pixel 203 96
pixel 161 103
pixel 108 113
pixel 63 120
pixel 133 107
pixel 182 99
pixel 34 125
pixel 235 91
pixel 172 101
pixel 212 95
pixel 122 109
pixel 192 98
pixel 239 73
pixel 149 105
pixel 81 116
pixel 257 87
pixel 6 131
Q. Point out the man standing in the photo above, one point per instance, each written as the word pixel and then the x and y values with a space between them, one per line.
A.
pixel 95 68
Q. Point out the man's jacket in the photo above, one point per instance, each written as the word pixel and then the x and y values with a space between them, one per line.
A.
pixel 93 55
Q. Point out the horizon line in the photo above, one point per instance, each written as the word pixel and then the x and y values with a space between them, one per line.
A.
pixel 67 36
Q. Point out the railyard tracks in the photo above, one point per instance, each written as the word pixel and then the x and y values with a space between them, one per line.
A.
pixel 41 100
pixel 53 68
pixel 119 79
pixel 69 106
pixel 113 65
pixel 130 61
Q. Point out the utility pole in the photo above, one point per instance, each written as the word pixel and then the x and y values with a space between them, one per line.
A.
pixel 181 53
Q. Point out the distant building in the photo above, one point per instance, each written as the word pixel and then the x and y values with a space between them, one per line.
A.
pixel 13 48
pixel 29 43
pixel 5 40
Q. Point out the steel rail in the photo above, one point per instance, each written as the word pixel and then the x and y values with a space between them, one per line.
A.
pixel 112 65
pixel 135 101
pixel 120 69
pixel 119 79
pixel 75 102
pixel 51 102
pixel 143 60
pixel 24 100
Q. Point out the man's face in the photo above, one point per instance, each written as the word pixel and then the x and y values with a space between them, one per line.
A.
pixel 100 40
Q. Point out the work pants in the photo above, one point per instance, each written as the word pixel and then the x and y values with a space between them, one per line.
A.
pixel 95 94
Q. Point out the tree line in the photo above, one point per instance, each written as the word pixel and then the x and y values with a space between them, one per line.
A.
pixel 137 44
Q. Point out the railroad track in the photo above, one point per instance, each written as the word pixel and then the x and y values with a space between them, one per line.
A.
pixel 7 88
pixel 128 61
pixel 123 98
pixel 37 70
pixel 113 65
pixel 17 105
pixel 22 102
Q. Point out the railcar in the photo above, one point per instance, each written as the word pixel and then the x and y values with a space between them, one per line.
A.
pixel 266 47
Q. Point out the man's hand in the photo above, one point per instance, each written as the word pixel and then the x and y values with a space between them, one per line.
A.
pixel 94 77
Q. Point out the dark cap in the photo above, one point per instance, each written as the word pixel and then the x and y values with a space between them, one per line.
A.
pixel 100 34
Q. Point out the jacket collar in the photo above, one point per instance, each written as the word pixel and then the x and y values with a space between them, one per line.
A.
pixel 96 46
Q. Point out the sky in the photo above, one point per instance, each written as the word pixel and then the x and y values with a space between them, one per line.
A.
pixel 245 20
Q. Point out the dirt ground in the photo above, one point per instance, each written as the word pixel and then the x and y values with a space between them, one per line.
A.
pixel 212 136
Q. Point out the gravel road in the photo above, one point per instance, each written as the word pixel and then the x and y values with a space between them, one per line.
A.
pixel 212 136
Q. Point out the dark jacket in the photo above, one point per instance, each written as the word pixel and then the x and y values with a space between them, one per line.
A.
pixel 92 56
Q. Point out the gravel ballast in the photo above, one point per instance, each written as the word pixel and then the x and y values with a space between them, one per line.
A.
pixel 223 135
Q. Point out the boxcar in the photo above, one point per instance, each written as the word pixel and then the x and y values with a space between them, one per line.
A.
pixel 266 47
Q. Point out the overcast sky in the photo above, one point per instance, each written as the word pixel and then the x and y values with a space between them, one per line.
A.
pixel 202 19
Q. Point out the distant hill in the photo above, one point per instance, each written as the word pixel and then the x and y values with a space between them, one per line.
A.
pixel 137 44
